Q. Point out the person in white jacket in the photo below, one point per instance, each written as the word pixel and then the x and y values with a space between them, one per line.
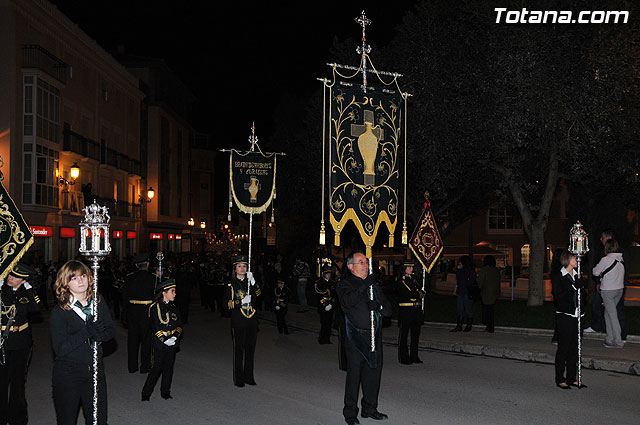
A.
pixel 610 269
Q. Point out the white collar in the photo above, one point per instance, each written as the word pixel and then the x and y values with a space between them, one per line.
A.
pixel 566 272
pixel 78 310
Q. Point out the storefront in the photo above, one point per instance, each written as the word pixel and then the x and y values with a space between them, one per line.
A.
pixel 67 247
pixel 41 250
pixel 155 242
pixel 131 243
pixel 116 244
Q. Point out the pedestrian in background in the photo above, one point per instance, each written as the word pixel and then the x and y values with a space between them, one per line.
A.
pixel 611 271
pixel 73 333
pixel 281 298
pixel 16 342
pixel 489 284
pixel 465 280
pixel 326 292
pixel 302 272
pixel 167 332
pixel 564 287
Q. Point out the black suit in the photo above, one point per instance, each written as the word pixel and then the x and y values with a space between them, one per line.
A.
pixel 353 293
pixel 138 295
pixel 16 348
pixel 410 317
pixel 325 290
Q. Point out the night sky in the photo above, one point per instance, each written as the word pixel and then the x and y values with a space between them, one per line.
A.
pixel 238 57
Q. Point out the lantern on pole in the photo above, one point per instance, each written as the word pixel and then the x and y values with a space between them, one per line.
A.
pixel 579 246
pixel 94 244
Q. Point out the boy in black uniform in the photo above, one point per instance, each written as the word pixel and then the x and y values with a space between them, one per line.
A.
pixel 18 299
pixel 325 290
pixel 138 294
pixel 244 323
pixel 410 314
pixel 167 330
pixel 282 295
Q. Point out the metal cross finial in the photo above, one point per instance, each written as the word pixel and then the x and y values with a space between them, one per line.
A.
pixel 253 139
pixel 365 48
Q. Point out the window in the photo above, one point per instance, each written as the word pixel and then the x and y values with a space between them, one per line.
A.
pixel 28 106
pixel 502 218
pixel 46 172
pixel 503 260
pixel 48 111
pixel 524 255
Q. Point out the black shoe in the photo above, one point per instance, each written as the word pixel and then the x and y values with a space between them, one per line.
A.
pixel 240 384
pixel 417 361
pixel 166 396
pixel 352 421
pixel 251 382
pixel 144 371
pixel 145 397
pixel 564 387
pixel 456 329
pixel 375 416
pixel 133 371
pixel 575 384
pixel 405 361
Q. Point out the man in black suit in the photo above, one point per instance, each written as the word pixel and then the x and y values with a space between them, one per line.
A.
pixel 364 366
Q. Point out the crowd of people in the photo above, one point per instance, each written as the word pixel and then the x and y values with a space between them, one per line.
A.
pixel 152 301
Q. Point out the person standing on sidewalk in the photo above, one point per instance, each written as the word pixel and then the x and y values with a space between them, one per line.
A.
pixel 489 284
pixel 302 272
pixel 410 314
pixel 364 368
pixel 564 287
pixel 465 279
pixel 244 322
pixel 167 331
pixel 611 271
pixel 16 342
pixel 325 290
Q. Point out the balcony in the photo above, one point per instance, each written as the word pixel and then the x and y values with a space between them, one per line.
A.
pixel 36 56
pixel 74 142
pixel 120 208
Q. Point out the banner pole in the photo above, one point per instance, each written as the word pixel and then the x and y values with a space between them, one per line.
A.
pixel 424 280
pixel 373 324
pixel 250 238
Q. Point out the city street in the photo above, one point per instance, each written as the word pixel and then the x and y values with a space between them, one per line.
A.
pixel 299 383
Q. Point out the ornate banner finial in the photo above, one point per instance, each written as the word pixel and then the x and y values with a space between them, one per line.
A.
pixel 253 139
pixel 365 48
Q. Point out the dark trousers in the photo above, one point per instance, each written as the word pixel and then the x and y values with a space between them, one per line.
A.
pixel 326 320
pixel 163 361
pixel 360 374
pixel 403 349
pixel 342 355
pixel 139 337
pixel 488 316
pixel 281 320
pixel 621 316
pixel 597 313
pixel 13 377
pixel 72 388
pixel 244 347
pixel 567 353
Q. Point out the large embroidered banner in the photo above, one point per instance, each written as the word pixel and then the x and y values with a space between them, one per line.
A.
pixel 252 177
pixel 365 132
pixel 15 235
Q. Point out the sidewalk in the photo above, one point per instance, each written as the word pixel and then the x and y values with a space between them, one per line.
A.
pixel 531 345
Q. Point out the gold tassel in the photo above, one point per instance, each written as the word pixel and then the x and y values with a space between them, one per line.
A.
pixel 404 233
pixel 322 233
pixel 368 252
pixel 336 237
pixel 391 240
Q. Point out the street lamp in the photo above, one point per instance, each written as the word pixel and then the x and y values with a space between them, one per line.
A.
pixel 74 174
pixel 191 222
pixel 150 194
pixel 203 224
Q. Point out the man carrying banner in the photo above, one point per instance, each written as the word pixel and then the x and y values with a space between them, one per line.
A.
pixel 364 367
pixel 410 314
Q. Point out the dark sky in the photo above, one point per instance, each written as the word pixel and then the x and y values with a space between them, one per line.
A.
pixel 245 54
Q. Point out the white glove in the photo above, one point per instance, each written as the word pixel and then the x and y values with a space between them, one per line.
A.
pixel 277 307
pixel 252 280
pixel 246 299
pixel 329 307
pixel 170 342
pixel 27 285
pixel 1 283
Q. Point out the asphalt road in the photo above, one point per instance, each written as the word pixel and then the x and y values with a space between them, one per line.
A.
pixel 299 383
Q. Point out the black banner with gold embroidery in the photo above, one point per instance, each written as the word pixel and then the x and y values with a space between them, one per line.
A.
pixel 252 177
pixel 365 133
pixel 15 235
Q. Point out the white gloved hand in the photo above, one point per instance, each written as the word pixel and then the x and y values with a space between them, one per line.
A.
pixel 170 342
pixel 252 280
pixel 328 307
pixel 277 307
pixel 1 283
pixel 246 299
pixel 27 285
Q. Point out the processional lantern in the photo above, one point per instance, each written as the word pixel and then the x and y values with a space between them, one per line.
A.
pixel 94 244
pixel 579 246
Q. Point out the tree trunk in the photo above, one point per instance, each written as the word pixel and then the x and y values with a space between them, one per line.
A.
pixel 537 250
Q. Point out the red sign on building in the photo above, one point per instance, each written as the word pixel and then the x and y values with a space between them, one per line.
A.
pixel 117 234
pixel 178 236
pixel 131 235
pixel 42 231
pixel 155 236
pixel 170 236
pixel 67 232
